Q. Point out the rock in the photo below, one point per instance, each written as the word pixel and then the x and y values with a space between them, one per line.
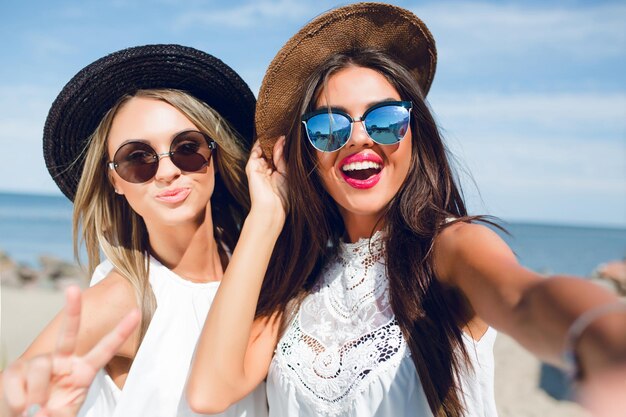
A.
pixel 613 272
pixel 27 275
pixel 5 260
pixel 17 275
pixel 61 273
pixel 609 285
pixel 8 271
pixel 53 273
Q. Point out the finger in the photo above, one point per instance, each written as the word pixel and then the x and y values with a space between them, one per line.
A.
pixel 256 148
pixel 256 156
pixel 278 155
pixel 14 384
pixel 71 322
pixel 106 348
pixel 38 380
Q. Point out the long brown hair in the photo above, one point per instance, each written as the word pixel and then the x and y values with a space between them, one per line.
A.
pixel 105 221
pixel 429 314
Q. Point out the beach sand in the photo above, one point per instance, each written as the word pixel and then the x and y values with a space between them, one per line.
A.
pixel 517 385
pixel 26 311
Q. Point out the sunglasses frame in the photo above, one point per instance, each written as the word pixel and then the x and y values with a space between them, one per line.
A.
pixel 406 104
pixel 210 142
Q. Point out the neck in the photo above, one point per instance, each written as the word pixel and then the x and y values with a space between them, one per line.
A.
pixel 360 226
pixel 189 250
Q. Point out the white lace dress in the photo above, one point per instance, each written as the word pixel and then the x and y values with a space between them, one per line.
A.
pixel 156 380
pixel 344 354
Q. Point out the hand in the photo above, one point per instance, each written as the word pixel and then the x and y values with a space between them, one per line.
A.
pixel 268 186
pixel 604 394
pixel 56 384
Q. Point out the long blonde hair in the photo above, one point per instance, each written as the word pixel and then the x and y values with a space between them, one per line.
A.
pixel 103 220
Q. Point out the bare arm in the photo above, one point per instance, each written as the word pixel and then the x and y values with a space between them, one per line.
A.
pixel 234 350
pixel 534 310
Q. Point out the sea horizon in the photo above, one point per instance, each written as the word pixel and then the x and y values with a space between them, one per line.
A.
pixel 36 224
pixel 503 220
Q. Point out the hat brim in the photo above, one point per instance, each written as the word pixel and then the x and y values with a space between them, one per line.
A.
pixel 391 29
pixel 90 94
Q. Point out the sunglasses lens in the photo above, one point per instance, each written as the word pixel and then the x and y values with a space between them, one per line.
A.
pixel 190 151
pixel 328 132
pixel 136 162
pixel 388 124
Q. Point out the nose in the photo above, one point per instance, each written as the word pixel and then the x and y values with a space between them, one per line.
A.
pixel 167 171
pixel 359 136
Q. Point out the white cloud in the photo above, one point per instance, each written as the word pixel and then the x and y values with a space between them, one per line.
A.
pixel 465 29
pixel 556 157
pixel 248 15
pixel 579 114
pixel 548 163
pixel 568 132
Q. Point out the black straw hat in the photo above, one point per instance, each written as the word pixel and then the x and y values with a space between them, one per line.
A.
pixel 391 29
pixel 88 96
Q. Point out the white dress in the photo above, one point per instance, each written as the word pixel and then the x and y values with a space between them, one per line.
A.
pixel 343 354
pixel 156 380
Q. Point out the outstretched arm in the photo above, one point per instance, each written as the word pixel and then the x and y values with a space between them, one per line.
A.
pixel 538 312
pixel 234 350
pixel 56 384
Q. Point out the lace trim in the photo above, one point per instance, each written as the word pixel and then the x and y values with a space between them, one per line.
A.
pixel 345 333
pixel 332 379
pixel 363 247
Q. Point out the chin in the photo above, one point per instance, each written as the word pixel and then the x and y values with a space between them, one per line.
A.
pixel 367 208
pixel 180 215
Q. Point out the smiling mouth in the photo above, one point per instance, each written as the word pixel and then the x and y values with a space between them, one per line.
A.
pixel 361 170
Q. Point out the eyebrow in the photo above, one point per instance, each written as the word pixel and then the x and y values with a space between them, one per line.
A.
pixel 148 142
pixel 370 104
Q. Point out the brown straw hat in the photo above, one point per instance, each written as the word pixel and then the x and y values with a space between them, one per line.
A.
pixel 88 96
pixel 391 29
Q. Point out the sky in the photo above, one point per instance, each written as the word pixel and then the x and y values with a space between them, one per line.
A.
pixel 530 95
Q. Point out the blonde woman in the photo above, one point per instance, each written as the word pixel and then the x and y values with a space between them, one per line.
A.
pixel 150 144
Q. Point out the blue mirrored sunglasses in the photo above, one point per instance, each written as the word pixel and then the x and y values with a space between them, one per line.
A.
pixel 386 123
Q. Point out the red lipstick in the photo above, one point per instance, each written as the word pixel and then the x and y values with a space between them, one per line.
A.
pixel 361 170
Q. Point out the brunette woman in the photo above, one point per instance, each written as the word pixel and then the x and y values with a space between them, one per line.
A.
pixel 388 291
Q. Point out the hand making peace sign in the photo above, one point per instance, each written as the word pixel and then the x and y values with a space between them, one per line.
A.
pixel 56 384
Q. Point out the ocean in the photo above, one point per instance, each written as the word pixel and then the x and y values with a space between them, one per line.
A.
pixel 32 225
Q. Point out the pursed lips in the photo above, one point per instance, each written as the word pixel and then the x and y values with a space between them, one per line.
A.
pixel 174 195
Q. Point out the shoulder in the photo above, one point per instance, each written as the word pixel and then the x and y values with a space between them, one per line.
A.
pixel 100 272
pixel 104 305
pixel 458 236
pixel 467 245
pixel 113 291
